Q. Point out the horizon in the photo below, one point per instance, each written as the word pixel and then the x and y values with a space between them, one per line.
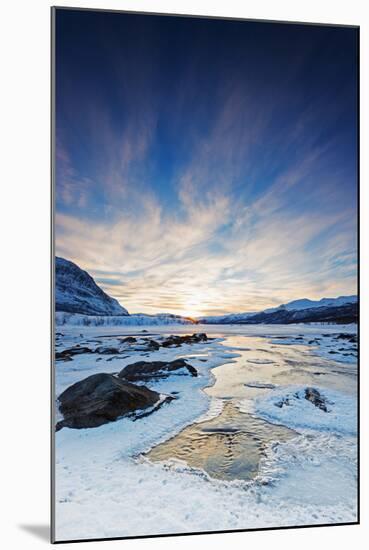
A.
pixel 197 181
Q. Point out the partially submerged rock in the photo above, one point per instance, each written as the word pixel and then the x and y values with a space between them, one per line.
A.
pixel 147 370
pixel 347 336
pixel 316 398
pixel 176 340
pixel 128 340
pixel 68 354
pixel 102 398
pixel 107 350
pixel 311 394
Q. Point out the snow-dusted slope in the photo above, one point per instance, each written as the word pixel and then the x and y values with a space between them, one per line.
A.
pixel 77 292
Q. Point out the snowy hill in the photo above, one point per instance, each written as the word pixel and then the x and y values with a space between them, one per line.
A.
pixel 77 292
pixel 341 309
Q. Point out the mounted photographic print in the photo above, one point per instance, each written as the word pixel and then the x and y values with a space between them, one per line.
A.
pixel 205 274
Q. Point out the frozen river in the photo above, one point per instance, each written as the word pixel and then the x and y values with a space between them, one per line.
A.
pixel 264 436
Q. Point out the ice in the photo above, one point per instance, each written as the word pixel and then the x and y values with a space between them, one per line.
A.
pixel 105 489
pixel 301 413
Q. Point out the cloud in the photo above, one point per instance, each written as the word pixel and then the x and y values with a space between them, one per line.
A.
pixel 164 263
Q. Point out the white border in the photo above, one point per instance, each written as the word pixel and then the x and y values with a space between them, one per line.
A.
pixel 25 188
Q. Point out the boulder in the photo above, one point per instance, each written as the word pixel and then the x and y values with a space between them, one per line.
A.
pixel 147 370
pixel 316 398
pixel 102 398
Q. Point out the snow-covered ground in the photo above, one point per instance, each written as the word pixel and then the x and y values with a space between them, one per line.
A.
pixel 106 487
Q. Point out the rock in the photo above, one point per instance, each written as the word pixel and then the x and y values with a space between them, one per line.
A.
pixel 67 354
pixel 153 345
pixel 102 398
pixel 146 370
pixel 284 401
pixel 106 350
pixel 128 340
pixel 346 336
pixel 175 340
pixel 316 398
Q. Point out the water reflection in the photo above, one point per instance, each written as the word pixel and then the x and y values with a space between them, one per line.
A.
pixel 227 447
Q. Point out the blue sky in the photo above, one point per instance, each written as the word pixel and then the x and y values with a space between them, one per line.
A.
pixel 206 166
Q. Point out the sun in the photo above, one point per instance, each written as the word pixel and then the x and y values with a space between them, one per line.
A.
pixel 195 306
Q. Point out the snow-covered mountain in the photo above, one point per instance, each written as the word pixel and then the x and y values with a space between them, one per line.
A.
pixel 77 292
pixel 80 301
pixel 229 318
pixel 305 303
pixel 341 309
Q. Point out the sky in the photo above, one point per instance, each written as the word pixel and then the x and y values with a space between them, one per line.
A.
pixel 206 166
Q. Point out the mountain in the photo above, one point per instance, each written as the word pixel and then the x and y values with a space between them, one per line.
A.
pixel 77 292
pixel 328 310
pixel 228 319
pixel 305 303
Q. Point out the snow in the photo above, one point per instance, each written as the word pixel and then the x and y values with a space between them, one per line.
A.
pixel 105 488
pixel 301 413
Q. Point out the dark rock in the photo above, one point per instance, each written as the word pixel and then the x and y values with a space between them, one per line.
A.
pixel 346 336
pixel 128 340
pixel 106 350
pixel 67 354
pixel 282 402
pixel 153 345
pixel 316 398
pixel 146 370
pixel 175 340
pixel 102 398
